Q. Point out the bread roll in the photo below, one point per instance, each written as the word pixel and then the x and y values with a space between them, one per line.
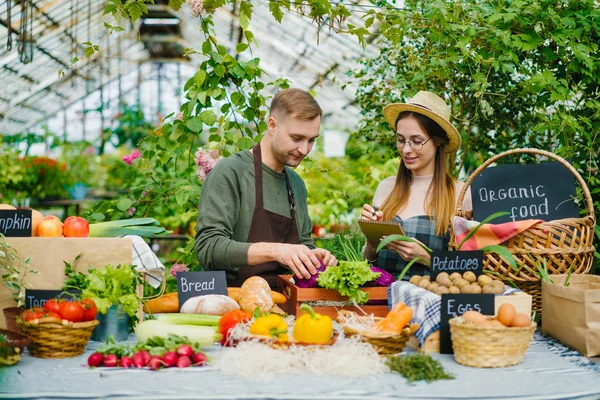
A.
pixel 212 304
pixel 255 292
pixel 167 303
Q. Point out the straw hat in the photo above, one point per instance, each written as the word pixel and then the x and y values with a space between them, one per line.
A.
pixel 431 106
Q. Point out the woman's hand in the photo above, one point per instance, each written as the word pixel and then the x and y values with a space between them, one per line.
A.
pixel 408 250
pixel 369 212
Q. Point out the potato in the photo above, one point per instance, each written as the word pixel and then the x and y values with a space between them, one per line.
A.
pixel 475 288
pixel 483 280
pixel 433 286
pixel 441 276
pixel 498 287
pixel 461 282
pixel 426 277
pixel 442 290
pixel 424 284
pixel 454 290
pixel 488 289
pixel 466 289
pixel 455 276
pixel 469 276
pixel 445 281
pixel 415 279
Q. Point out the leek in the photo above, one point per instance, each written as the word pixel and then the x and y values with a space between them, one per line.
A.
pixel 204 336
pixel 190 319
pixel 133 226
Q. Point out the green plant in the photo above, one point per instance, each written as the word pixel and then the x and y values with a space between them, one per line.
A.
pixel 13 272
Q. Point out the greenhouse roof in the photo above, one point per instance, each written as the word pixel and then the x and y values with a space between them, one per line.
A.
pixel 47 85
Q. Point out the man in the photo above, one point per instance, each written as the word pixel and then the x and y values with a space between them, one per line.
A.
pixel 253 216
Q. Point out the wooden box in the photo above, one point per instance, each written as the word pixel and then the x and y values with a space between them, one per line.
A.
pixel 296 296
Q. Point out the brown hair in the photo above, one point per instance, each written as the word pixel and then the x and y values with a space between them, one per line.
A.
pixel 297 103
pixel 440 196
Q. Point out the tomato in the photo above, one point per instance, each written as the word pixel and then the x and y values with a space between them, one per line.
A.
pixel 89 309
pixel 230 320
pixel 71 311
pixel 53 305
pixel 52 314
pixel 33 313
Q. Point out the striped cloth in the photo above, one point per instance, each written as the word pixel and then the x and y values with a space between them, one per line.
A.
pixel 425 305
pixel 488 234
pixel 144 259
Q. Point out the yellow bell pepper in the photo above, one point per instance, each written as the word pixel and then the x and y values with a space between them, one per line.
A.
pixel 312 328
pixel 272 326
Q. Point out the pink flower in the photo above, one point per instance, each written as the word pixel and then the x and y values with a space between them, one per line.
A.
pixel 178 268
pixel 196 6
pixel 130 211
pixel 90 150
pixel 130 157
pixel 206 161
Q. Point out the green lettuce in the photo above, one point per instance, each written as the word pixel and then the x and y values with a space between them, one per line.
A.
pixel 111 285
pixel 347 278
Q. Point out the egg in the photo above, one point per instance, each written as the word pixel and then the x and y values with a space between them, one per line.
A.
pixel 474 317
pixel 506 313
pixel 520 320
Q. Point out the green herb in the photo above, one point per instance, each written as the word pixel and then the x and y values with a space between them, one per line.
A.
pixel 347 277
pixel 75 279
pixel 418 367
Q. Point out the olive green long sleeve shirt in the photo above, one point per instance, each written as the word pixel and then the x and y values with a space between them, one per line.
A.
pixel 227 205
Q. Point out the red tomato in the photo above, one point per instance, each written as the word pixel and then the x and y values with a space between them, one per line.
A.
pixel 53 305
pixel 33 313
pixel 89 309
pixel 52 314
pixel 71 311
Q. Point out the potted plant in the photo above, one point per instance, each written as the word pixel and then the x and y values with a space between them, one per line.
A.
pixel 13 275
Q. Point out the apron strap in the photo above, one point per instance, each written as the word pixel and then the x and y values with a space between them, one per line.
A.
pixel 258 186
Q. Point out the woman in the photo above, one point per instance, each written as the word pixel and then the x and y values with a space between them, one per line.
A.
pixel 423 196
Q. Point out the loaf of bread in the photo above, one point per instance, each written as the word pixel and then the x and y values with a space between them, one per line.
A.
pixel 234 293
pixel 255 292
pixel 212 304
pixel 167 303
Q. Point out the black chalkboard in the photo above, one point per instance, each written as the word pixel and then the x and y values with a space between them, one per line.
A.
pixel 15 223
pixel 37 298
pixel 456 261
pixel 192 284
pixel 454 305
pixel 535 191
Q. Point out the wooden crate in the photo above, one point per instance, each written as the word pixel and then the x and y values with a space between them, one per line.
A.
pixel 296 296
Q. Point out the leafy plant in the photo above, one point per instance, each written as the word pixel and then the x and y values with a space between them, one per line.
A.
pixel 13 272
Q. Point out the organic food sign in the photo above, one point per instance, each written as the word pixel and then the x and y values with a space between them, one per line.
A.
pixel 535 191
pixel 192 284
pixel 456 261
pixel 15 223
pixel 455 305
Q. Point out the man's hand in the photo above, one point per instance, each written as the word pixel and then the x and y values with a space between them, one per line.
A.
pixel 297 257
pixel 325 256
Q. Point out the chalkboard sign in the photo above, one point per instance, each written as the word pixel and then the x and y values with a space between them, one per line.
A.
pixel 37 298
pixel 15 223
pixel 454 305
pixel 192 284
pixel 534 191
pixel 456 261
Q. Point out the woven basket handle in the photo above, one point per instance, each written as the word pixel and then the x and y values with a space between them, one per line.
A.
pixel 586 191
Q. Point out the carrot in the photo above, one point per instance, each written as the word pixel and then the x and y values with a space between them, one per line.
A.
pixel 395 320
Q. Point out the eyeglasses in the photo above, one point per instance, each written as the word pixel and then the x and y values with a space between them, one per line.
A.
pixel 417 146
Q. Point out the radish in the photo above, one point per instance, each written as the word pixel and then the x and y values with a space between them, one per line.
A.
pixel 170 358
pixel 110 360
pixel 145 356
pixel 183 362
pixel 156 363
pixel 185 350
pixel 199 358
pixel 125 362
pixel 95 360
pixel 138 360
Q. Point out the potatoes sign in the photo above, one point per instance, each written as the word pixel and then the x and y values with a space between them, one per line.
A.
pixel 538 191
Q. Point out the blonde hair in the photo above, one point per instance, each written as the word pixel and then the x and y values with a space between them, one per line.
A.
pixel 441 194
pixel 297 103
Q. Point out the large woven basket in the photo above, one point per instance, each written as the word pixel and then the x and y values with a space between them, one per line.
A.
pixel 479 347
pixel 559 244
pixel 382 342
pixel 53 338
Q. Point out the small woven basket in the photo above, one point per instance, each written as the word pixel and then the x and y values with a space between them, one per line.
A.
pixel 479 347
pixel 559 244
pixel 382 342
pixel 53 338
pixel 12 349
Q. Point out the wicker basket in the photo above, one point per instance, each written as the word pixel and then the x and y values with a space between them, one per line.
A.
pixel 479 347
pixel 559 243
pixel 382 342
pixel 53 338
pixel 12 349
